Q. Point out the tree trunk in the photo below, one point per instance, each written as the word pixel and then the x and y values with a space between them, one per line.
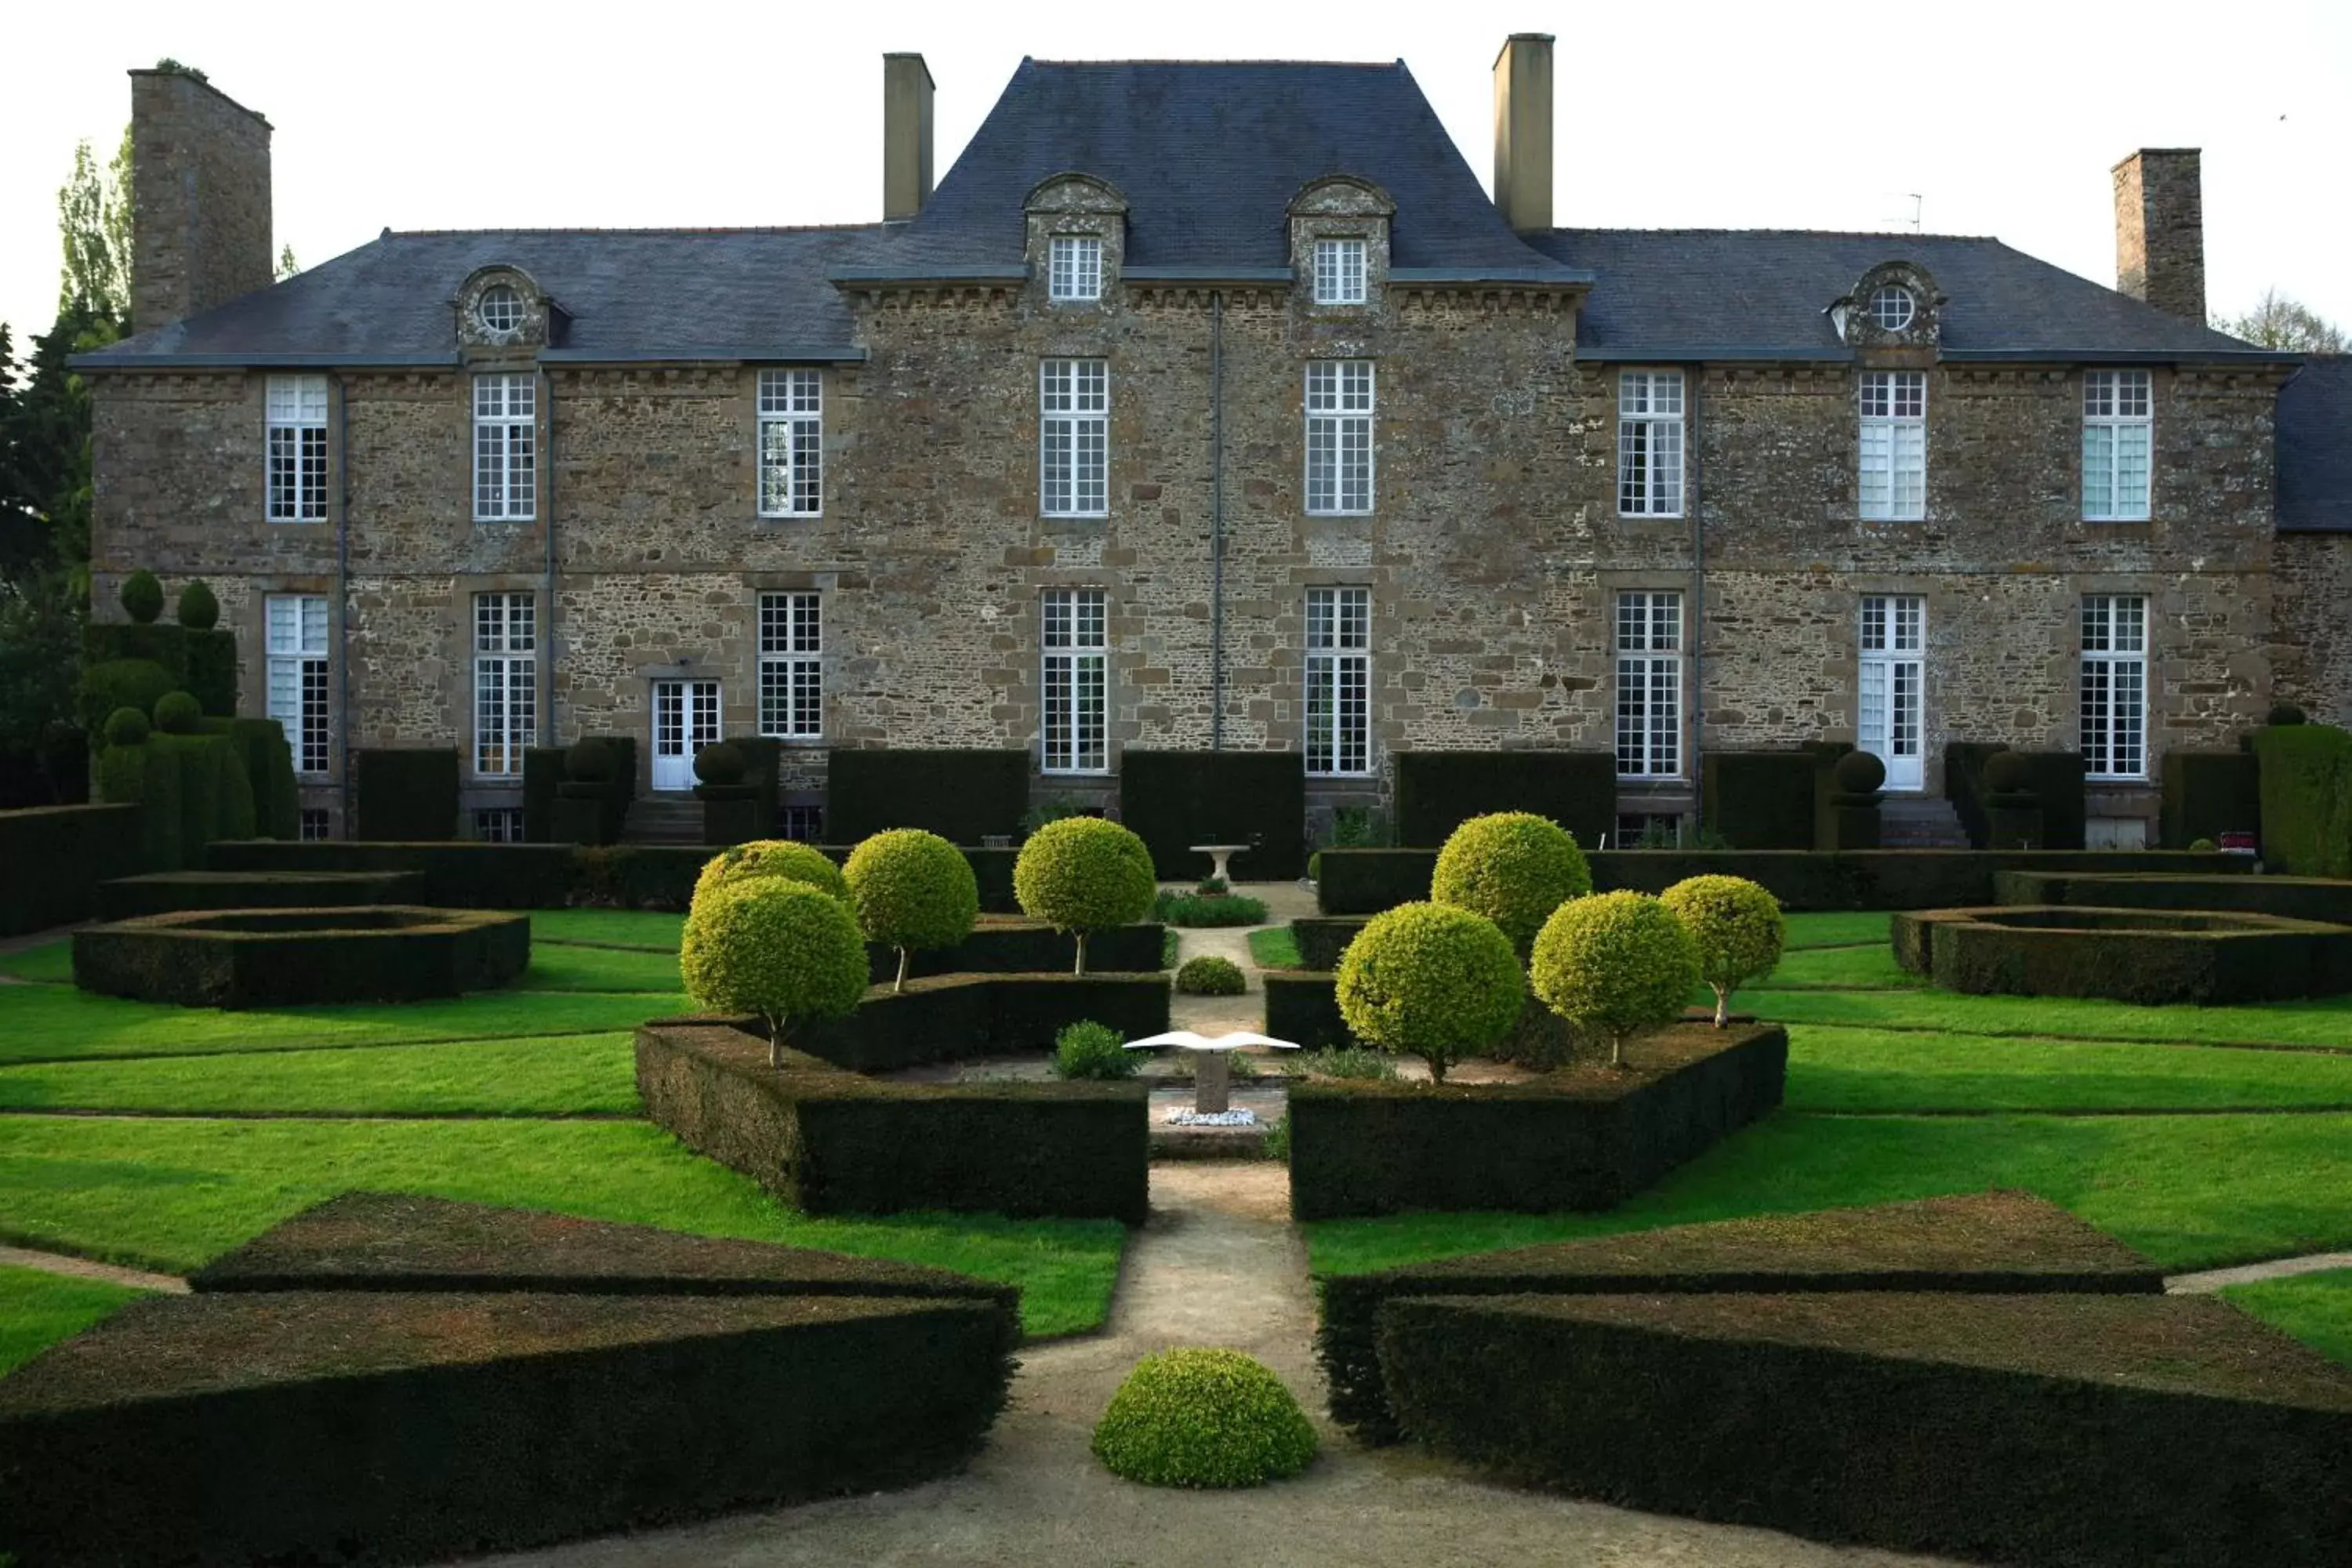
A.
pixel 1081 969
pixel 1436 1069
pixel 1722 1005
pixel 904 955
pixel 776 1042
pixel 1616 1050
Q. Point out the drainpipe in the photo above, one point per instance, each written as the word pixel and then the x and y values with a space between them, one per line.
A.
pixel 547 530
pixel 1692 496
pixel 343 595
pixel 1216 520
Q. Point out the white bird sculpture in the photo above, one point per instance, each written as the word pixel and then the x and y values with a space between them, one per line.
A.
pixel 1212 1083
pixel 1185 1039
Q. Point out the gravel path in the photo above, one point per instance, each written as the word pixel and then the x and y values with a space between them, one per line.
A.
pixel 89 1268
pixel 2248 1273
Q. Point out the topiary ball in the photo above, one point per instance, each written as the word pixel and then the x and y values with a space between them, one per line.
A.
pixel 783 858
pixel 198 610
pixel 2008 772
pixel 1615 964
pixel 2285 713
pixel 785 951
pixel 721 764
pixel 1513 866
pixel 1737 927
pixel 1083 873
pixel 142 596
pixel 1204 1417
pixel 591 762
pixel 2200 846
pixel 1432 980
pixel 912 889
pixel 1209 975
pixel 1859 772
pixel 126 727
pixel 179 713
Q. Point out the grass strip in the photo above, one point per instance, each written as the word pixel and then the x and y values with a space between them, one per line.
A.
pixel 1835 1067
pixel 651 929
pixel 2315 1308
pixel 1274 947
pixel 37 1310
pixel 1836 928
pixel 2323 1023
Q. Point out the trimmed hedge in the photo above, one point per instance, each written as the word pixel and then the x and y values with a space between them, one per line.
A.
pixel 2207 793
pixel 830 1142
pixel 2152 957
pixel 215 797
pixel 147 777
pixel 1173 800
pixel 1437 791
pixel 56 858
pixel 1761 800
pixel 1303 1007
pixel 964 795
pixel 166 892
pixel 2296 898
pixel 406 795
pixel 2307 798
pixel 950 1017
pixel 264 958
pixel 2057 779
pixel 1027 947
pixel 200 661
pixel 542 770
pixel 268 761
pixel 1321 940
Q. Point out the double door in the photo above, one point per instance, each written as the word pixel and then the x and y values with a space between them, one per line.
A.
pixel 1891 686
pixel 685 720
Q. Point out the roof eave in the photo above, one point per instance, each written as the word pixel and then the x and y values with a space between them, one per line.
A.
pixel 105 360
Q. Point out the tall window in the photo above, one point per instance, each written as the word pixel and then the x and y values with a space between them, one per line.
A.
pixel 1074 437
pixel 792 443
pixel 1338 435
pixel 1072 267
pixel 2118 434
pixel 1076 680
pixel 1339 271
pixel 294 628
pixel 1650 684
pixel 506 680
pixel 506 446
pixel 792 666
pixel 2114 686
pixel 297 448
pixel 1338 680
pixel 1894 445
pixel 1650 443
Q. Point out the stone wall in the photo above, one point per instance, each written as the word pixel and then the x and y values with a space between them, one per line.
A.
pixel 2312 657
pixel 199 198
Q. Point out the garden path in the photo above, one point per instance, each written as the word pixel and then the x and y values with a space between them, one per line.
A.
pixel 90 1268
pixel 1285 902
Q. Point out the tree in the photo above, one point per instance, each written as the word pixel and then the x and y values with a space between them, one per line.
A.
pixel 1431 981
pixel 94 227
pixel 1513 866
pixel 785 951
pixel 794 862
pixel 910 889
pixel 2277 321
pixel 1738 928
pixel 1082 874
pixel 1613 964
pixel 287 265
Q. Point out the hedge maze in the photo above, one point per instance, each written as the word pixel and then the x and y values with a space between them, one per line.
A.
pixel 280 957
pixel 2147 956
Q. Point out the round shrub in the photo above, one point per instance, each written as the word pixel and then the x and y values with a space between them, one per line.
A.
pixel 1737 928
pixel 1082 874
pixel 1204 1417
pixel 1087 1050
pixel 910 889
pixel 785 951
pixel 2201 846
pixel 1859 772
pixel 720 763
pixel 591 762
pixel 1431 981
pixel 793 862
pixel 2008 772
pixel 1613 964
pixel 198 610
pixel 126 727
pixel 142 597
pixel 179 713
pixel 2285 713
pixel 1209 975
pixel 1513 866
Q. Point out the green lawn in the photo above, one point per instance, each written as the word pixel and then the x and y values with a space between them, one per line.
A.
pixel 1833 1067
pixel 51 960
pixel 1817 968
pixel 1836 928
pixel 2315 1308
pixel 1274 947
pixel 39 1310
pixel 2325 1022
pixel 557 967
pixel 650 929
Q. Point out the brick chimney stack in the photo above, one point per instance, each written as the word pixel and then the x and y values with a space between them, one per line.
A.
pixel 2161 230
pixel 1523 130
pixel 905 136
pixel 199 198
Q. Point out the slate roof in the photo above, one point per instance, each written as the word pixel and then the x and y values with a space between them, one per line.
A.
pixel 2315 448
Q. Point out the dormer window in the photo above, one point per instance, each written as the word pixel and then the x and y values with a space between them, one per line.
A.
pixel 499 309
pixel 1339 271
pixel 1892 307
pixel 1074 268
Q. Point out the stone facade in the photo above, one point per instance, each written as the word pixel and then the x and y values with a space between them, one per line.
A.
pixel 199 198
pixel 2311 658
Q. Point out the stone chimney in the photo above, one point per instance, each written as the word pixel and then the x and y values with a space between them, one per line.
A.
pixel 1523 130
pixel 905 136
pixel 199 198
pixel 2161 230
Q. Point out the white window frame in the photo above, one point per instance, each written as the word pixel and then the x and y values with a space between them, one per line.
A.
pixel 1341 271
pixel 1340 399
pixel 1074 437
pixel 791 665
pixel 792 443
pixel 506 680
pixel 506 447
pixel 1073 707
pixel 296 649
pixel 1074 268
pixel 295 480
pixel 1892 466
pixel 1338 683
pixel 2114 686
pixel 1650 410
pixel 2119 445
pixel 1650 683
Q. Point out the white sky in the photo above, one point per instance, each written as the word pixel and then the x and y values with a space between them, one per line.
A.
pixel 2004 114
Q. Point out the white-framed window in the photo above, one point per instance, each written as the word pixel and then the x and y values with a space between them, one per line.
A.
pixel 506 448
pixel 792 443
pixel 1338 681
pixel 803 823
pixel 1075 731
pixel 1073 268
pixel 791 665
pixel 297 438
pixel 315 823
pixel 506 680
pixel 1894 445
pixel 1650 443
pixel 2118 443
pixel 2114 685
pixel 1649 684
pixel 1338 435
pixel 499 824
pixel 1339 272
pixel 1892 306
pixel 1074 437
pixel 294 632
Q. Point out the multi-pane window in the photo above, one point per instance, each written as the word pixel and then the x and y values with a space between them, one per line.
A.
pixel 499 824
pixel 296 415
pixel 1339 271
pixel 1650 443
pixel 1076 674
pixel 792 443
pixel 1650 684
pixel 2114 686
pixel 505 448
pixel 803 824
pixel 791 665
pixel 1072 267
pixel 506 680
pixel 1074 437
pixel 1338 435
pixel 2118 434
pixel 294 630
pixel 1894 445
pixel 1338 680
pixel 315 823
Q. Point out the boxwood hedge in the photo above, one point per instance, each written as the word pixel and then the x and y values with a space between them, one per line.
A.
pixel 283 957
pixel 2150 957
pixel 56 859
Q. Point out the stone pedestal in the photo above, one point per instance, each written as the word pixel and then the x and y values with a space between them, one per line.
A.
pixel 1212 1081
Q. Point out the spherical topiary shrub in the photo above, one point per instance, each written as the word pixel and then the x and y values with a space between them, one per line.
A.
pixel 591 762
pixel 198 610
pixel 2200 846
pixel 2285 713
pixel 142 597
pixel 1209 975
pixel 1613 964
pixel 721 764
pixel 785 951
pixel 910 889
pixel 1082 874
pixel 1431 981
pixel 1513 866
pixel 1087 1050
pixel 1204 1417
pixel 1859 772
pixel 179 713
pixel 783 858
pixel 126 727
pixel 1737 927
pixel 2008 772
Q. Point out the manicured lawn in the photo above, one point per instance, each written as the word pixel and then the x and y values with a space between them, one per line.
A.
pixel 1838 1068
pixel 1836 928
pixel 37 1310
pixel 2315 1308
pixel 51 960
pixel 650 928
pixel 557 967
pixel 1836 967
pixel 2325 1022
pixel 1274 947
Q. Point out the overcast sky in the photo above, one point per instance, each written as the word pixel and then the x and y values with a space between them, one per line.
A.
pixel 2003 117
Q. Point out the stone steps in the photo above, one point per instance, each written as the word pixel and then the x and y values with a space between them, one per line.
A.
pixel 663 819
pixel 1920 822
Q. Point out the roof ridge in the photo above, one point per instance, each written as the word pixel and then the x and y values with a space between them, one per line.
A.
pixel 1332 65
pixel 656 228
pixel 1806 233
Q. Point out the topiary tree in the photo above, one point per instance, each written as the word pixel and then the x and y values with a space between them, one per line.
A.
pixel 1513 866
pixel 1737 928
pixel 142 597
pixel 1204 1417
pixel 785 951
pixel 1210 975
pixel 198 610
pixel 126 727
pixel 910 889
pixel 1613 964
pixel 720 763
pixel 2008 772
pixel 783 858
pixel 1082 874
pixel 2285 713
pixel 1431 981
pixel 590 762
pixel 1859 772
pixel 179 713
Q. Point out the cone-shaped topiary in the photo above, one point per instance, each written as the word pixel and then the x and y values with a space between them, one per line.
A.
pixel 179 713
pixel 1615 964
pixel 126 727
pixel 1082 874
pixel 1204 1417
pixel 1737 928
pixel 720 763
pixel 142 597
pixel 1513 866
pixel 794 862
pixel 1210 975
pixel 1431 981
pixel 785 951
pixel 910 889
pixel 198 610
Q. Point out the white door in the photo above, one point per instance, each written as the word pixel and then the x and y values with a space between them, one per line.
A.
pixel 685 720
pixel 1891 723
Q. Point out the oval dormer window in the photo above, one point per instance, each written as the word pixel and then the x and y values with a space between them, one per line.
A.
pixel 499 309
pixel 1892 307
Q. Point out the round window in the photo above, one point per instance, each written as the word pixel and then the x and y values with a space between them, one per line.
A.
pixel 499 309
pixel 1892 307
